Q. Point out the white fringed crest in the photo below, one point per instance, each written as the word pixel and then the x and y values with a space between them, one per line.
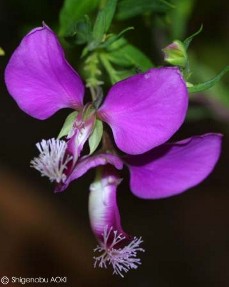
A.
pixel 52 160
pixel 121 259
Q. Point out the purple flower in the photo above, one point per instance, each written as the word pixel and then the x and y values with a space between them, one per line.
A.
pixel 143 111
pixel 42 82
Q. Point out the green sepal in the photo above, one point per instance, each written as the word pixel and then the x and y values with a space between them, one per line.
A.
pixel 195 88
pixel 96 136
pixel 68 123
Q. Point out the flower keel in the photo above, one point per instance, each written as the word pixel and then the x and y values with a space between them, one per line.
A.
pixel 117 248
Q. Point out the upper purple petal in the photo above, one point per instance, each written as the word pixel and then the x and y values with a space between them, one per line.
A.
pixel 39 78
pixel 173 168
pixel 145 110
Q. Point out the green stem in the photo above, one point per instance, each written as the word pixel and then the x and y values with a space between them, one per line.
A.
pixel 93 93
pixel 93 74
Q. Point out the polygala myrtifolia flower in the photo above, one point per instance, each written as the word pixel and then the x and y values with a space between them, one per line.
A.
pixel 143 111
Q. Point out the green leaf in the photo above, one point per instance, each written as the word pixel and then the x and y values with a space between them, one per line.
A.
pixel 72 11
pixel 109 11
pixel 179 17
pixel 130 56
pixel 99 27
pixel 103 20
pixel 132 8
pixel 82 31
pixel 114 38
pixel 189 39
pixel 96 136
pixel 128 60
pixel 67 124
pixel 208 84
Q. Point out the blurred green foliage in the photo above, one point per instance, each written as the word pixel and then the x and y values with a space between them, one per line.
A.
pixel 131 8
pixel 72 11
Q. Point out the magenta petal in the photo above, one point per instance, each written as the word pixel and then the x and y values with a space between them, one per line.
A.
pixel 40 79
pixel 173 168
pixel 145 110
pixel 88 162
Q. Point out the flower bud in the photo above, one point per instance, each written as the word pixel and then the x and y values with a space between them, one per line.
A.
pixel 175 54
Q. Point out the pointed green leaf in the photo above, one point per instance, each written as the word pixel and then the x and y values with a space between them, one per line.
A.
pixel 208 84
pixel 114 38
pixel 96 136
pixel 99 27
pixel 67 124
pixel 130 56
pixel 103 20
pixel 179 17
pixel 128 59
pixel 109 11
pixel 72 11
pixel 188 40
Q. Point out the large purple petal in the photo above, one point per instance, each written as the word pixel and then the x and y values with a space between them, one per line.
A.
pixel 40 79
pixel 173 168
pixel 88 162
pixel 145 110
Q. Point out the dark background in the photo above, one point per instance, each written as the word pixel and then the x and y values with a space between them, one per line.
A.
pixel 45 234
